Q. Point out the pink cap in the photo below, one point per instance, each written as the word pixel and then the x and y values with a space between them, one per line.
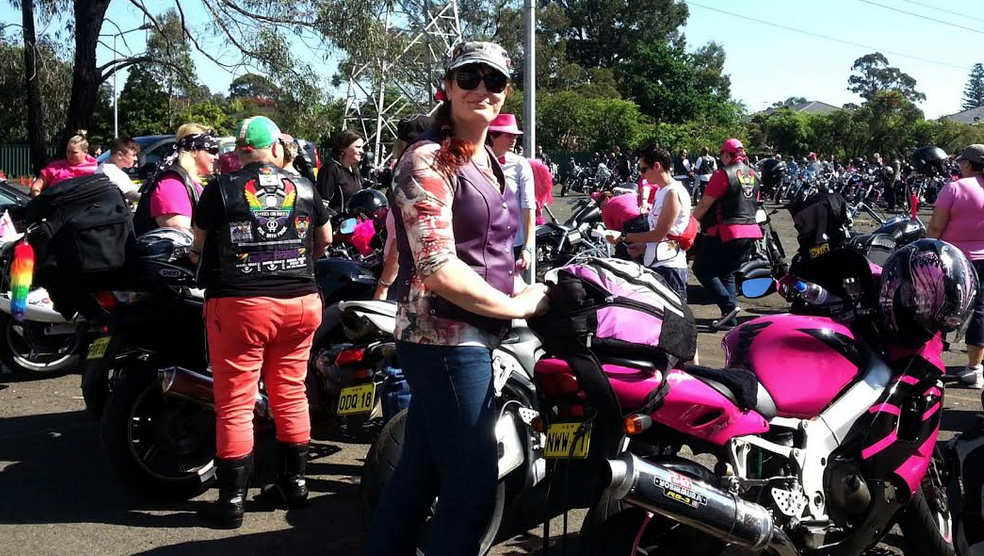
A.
pixel 732 146
pixel 505 123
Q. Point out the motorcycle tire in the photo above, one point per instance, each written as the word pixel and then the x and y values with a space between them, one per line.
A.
pixel 618 534
pixel 927 522
pixel 381 462
pixel 18 349
pixel 161 446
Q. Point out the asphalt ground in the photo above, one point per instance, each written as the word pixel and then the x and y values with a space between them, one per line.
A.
pixel 59 497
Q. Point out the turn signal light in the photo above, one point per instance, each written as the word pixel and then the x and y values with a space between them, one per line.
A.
pixel 637 423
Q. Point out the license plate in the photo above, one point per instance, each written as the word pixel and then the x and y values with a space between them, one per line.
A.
pixel 561 441
pixel 357 399
pixel 98 348
pixel 819 250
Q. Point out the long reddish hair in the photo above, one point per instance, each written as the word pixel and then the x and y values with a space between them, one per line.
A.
pixel 455 152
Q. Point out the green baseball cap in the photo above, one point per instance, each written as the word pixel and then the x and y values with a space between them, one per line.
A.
pixel 257 132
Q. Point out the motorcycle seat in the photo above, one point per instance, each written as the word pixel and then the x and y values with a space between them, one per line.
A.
pixel 641 364
pixel 741 386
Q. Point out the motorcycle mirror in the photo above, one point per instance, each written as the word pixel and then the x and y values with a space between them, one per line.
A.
pixel 666 250
pixel 757 287
pixel 348 226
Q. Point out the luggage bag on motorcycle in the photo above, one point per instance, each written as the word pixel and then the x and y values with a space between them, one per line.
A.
pixel 82 229
pixel 618 308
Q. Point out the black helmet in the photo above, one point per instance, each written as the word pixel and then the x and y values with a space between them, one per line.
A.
pixel 927 287
pixel 929 161
pixel 366 202
pixel 771 172
pixel 160 252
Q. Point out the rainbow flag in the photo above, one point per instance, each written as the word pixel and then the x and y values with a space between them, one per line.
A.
pixel 21 274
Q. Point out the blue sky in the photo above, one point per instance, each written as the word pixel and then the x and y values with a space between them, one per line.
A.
pixel 766 63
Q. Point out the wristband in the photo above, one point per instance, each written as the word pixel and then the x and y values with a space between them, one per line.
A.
pixel 528 250
pixel 385 284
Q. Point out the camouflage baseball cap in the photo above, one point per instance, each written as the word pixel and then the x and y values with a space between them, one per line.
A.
pixel 257 132
pixel 476 52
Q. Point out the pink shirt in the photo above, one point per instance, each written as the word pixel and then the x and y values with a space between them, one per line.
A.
pixel 619 210
pixel 171 197
pixel 717 187
pixel 965 200
pixel 61 170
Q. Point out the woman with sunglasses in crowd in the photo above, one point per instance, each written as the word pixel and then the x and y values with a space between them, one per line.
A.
pixel 167 199
pixel 456 291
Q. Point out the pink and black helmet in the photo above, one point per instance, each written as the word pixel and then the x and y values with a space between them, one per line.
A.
pixel 927 287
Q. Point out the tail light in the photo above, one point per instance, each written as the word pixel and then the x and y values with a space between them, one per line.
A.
pixel 350 356
pixel 557 384
pixel 106 300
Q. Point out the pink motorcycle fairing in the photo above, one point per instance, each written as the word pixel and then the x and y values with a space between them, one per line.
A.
pixel 804 362
pixel 900 430
pixel 690 406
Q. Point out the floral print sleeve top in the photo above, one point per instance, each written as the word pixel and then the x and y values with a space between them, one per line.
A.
pixel 424 195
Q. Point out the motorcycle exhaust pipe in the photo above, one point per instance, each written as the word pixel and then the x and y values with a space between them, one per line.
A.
pixel 696 504
pixel 188 385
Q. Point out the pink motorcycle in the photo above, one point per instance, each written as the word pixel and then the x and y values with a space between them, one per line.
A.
pixel 822 428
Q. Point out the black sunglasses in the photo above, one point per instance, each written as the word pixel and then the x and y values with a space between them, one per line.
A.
pixel 469 78
pixel 643 168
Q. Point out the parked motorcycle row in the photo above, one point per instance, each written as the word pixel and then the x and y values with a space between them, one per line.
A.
pixel 822 437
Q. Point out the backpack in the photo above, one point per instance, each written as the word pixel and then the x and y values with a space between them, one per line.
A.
pixel 618 308
pixel 81 230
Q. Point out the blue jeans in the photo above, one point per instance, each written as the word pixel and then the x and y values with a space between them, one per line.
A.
pixel 975 330
pixel 715 268
pixel 449 452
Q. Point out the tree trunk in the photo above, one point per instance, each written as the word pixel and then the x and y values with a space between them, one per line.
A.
pixel 32 77
pixel 89 15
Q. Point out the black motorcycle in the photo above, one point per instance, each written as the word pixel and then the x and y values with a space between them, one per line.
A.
pixel 149 379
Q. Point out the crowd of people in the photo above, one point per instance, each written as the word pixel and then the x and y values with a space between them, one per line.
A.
pixel 461 228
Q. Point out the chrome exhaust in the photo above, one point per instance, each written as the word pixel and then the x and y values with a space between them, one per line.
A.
pixel 188 385
pixel 696 504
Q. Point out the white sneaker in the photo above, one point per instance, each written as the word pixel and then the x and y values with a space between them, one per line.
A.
pixel 972 377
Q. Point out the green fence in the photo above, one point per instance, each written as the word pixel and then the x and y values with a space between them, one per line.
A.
pixel 15 160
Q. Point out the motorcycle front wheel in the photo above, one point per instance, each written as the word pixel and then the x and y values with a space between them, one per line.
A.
pixel 927 523
pixel 381 462
pixel 27 348
pixel 163 447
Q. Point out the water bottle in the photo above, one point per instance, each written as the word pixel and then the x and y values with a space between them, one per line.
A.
pixel 811 293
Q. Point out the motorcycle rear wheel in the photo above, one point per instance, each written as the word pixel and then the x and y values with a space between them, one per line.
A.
pixel 26 350
pixel 381 462
pixel 927 522
pixel 161 446
pixel 636 531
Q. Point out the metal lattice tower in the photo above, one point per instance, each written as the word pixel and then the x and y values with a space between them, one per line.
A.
pixel 402 78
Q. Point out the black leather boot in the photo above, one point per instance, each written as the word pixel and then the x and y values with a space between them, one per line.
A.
pixel 233 478
pixel 292 460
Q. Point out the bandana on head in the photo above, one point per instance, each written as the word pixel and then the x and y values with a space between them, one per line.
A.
pixel 194 142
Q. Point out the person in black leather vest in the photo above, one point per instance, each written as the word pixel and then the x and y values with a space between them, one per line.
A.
pixel 258 232
pixel 726 214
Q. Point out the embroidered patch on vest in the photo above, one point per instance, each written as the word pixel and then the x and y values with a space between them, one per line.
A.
pixel 272 208
pixel 301 224
pixel 747 182
pixel 241 232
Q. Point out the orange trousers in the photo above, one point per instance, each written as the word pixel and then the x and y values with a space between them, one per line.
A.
pixel 254 337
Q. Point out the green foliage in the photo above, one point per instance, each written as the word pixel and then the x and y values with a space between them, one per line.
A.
pixel 571 122
pixel 208 114
pixel 974 91
pixel 55 73
pixel 254 86
pixel 872 75
pixel 143 106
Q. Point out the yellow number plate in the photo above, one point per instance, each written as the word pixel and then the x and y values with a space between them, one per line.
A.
pixel 98 348
pixel 357 399
pixel 819 250
pixel 561 441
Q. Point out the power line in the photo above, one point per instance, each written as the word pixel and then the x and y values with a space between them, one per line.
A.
pixel 834 39
pixel 965 16
pixel 920 16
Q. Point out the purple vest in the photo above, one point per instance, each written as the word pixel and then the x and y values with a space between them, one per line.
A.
pixel 483 228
